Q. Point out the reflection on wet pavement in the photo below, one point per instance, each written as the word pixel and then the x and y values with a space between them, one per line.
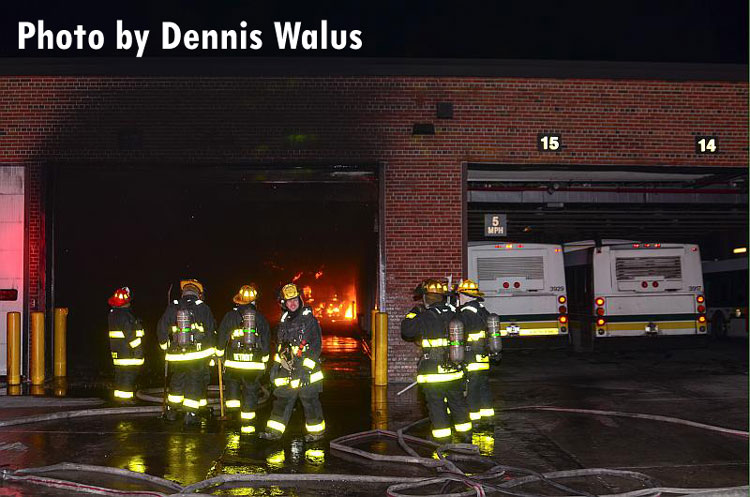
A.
pixel 344 356
pixel 485 440
pixel 340 345
pixel 539 441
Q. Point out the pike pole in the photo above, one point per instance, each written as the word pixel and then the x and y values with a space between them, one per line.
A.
pixel 411 385
pixel 221 387
pixel 166 365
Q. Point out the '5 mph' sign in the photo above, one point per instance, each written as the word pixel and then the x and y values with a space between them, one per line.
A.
pixel 495 224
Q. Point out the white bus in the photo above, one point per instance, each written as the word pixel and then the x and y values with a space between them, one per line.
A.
pixel 726 297
pixel 524 283
pixel 633 289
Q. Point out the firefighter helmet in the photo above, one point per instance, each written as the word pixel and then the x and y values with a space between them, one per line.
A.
pixel 192 283
pixel 289 291
pixel 120 298
pixel 470 288
pixel 246 295
pixel 434 286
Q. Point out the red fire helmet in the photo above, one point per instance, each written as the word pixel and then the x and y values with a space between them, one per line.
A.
pixel 120 298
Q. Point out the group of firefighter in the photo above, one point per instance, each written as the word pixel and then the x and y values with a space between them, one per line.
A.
pixel 458 337
pixel 187 333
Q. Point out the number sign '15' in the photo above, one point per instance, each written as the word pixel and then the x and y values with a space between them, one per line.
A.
pixel 548 142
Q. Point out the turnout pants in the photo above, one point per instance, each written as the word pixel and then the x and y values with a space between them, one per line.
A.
pixel 437 395
pixel 242 395
pixel 284 402
pixel 188 384
pixel 479 395
pixel 125 377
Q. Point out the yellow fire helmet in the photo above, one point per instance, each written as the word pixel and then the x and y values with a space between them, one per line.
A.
pixel 246 295
pixel 289 291
pixel 470 288
pixel 434 286
pixel 197 284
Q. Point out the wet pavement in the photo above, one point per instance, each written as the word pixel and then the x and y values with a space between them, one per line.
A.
pixel 707 385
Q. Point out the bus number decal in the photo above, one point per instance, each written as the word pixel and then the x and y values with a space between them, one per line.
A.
pixel 695 288
pixel 557 289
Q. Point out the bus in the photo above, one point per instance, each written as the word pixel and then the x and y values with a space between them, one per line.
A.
pixel 621 288
pixel 726 297
pixel 524 283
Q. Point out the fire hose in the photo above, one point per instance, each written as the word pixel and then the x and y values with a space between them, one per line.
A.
pixel 498 478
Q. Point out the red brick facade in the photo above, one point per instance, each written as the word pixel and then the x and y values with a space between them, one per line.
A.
pixel 209 121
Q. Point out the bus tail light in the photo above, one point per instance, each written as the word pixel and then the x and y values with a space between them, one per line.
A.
pixel 563 319
pixel 601 322
pixel 701 318
pixel 700 299
pixel 701 309
pixel 600 311
pixel 599 301
pixel 644 284
pixel 506 284
pixel 655 284
pixel 516 285
pixel 562 299
pixel 562 309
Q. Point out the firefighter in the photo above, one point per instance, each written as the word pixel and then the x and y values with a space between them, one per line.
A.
pixel 187 333
pixel 125 343
pixel 473 314
pixel 441 380
pixel 244 343
pixel 296 371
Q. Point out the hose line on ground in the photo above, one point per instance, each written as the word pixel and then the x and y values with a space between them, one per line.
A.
pixel 636 415
pixel 495 479
pixel 107 411
pixel 155 395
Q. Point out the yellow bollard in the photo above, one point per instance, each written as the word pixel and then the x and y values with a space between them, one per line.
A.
pixel 14 348
pixel 373 324
pixel 381 346
pixel 37 349
pixel 379 406
pixel 61 327
pixel 60 386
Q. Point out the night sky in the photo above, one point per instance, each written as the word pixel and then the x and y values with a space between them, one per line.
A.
pixel 674 31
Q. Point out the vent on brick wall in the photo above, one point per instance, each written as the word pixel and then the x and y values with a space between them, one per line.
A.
pixel 445 110
pixel 423 129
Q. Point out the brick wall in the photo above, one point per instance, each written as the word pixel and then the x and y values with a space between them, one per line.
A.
pixel 108 122
pixel 36 248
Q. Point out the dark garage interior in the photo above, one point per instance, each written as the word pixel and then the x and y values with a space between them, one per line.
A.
pixel 147 228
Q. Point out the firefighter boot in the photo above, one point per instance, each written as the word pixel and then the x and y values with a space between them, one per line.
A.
pixel 171 414
pixel 270 435
pixel 192 419
pixel 314 437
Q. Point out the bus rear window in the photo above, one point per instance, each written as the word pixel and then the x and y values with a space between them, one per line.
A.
pixel 634 268
pixel 493 268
